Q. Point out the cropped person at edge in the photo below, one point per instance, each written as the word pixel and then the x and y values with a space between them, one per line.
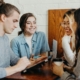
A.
pixel 58 70
pixel 9 62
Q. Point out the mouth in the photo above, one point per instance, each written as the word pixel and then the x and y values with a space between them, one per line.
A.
pixel 12 29
pixel 32 29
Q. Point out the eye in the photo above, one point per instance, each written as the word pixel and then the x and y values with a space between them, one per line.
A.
pixel 64 23
pixel 28 22
pixel 15 21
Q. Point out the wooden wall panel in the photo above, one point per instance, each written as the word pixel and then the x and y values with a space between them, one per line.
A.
pixel 55 30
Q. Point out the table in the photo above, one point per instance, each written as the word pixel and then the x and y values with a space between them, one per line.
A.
pixel 42 73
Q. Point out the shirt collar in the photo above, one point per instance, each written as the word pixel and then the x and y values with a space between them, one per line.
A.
pixel 23 41
pixel 34 38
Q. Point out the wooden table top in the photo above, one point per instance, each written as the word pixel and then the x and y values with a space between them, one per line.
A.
pixel 37 73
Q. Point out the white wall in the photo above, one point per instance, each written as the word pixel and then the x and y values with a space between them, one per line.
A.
pixel 40 9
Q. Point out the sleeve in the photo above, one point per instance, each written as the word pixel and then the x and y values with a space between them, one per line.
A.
pixel 2 73
pixel 77 67
pixel 68 53
pixel 14 46
pixel 67 76
pixel 13 58
pixel 76 70
pixel 45 45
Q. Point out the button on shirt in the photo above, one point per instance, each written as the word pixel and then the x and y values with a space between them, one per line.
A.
pixel 39 45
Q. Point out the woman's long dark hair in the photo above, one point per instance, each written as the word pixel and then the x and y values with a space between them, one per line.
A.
pixel 77 19
pixel 77 33
pixel 22 22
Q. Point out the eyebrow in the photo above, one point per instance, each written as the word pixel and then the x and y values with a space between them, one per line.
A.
pixel 30 21
pixel 65 21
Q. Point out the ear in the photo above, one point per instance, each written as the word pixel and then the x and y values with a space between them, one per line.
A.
pixel 3 17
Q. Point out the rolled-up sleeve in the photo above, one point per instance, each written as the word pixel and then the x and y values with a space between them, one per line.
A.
pixel 77 67
pixel 67 76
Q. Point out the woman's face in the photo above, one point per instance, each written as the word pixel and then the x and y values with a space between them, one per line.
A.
pixel 66 26
pixel 73 24
pixel 30 26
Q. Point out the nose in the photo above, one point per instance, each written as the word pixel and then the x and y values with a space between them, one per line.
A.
pixel 66 26
pixel 15 25
pixel 32 24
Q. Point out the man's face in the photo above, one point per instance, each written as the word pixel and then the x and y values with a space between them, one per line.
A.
pixel 10 23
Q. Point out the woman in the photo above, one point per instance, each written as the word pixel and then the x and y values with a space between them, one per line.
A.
pixel 29 43
pixel 9 63
pixel 69 52
pixel 76 70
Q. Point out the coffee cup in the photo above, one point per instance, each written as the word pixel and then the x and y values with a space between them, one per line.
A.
pixel 57 61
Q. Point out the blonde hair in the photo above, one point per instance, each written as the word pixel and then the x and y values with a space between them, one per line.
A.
pixel 72 21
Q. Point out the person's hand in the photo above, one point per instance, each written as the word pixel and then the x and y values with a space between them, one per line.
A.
pixel 68 68
pixel 32 57
pixel 58 70
pixel 22 63
pixel 67 30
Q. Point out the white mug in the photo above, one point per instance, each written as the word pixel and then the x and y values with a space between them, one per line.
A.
pixel 58 61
